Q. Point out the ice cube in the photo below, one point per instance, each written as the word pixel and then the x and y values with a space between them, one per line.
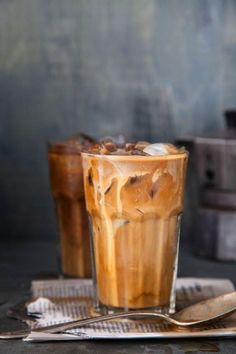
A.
pixel 157 149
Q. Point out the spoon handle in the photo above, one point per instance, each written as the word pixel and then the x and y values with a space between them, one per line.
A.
pixel 87 321
pixel 78 323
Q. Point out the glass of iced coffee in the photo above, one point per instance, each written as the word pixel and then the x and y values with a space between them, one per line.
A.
pixel 66 179
pixel 134 198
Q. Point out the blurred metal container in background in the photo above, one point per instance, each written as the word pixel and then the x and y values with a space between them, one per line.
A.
pixel 215 162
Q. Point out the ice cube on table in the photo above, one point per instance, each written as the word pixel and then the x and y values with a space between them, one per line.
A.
pixel 157 149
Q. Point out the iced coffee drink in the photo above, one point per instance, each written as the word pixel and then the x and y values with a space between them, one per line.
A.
pixel 66 179
pixel 134 198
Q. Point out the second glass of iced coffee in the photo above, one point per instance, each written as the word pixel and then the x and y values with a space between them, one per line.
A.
pixel 134 198
pixel 66 179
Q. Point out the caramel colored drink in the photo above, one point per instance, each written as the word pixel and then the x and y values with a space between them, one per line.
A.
pixel 134 197
pixel 66 177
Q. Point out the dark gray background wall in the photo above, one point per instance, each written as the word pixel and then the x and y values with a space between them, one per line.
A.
pixel 152 69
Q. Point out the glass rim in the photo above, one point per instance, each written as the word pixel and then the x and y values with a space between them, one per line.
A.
pixel 179 155
pixel 62 147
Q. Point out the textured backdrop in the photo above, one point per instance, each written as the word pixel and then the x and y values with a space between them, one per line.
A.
pixel 152 69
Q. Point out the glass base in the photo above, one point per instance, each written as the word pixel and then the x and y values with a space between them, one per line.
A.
pixel 107 310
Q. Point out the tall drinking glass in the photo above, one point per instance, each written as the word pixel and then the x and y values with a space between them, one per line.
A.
pixel 135 201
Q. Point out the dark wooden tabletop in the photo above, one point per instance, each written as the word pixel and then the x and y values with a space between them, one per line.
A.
pixel 22 262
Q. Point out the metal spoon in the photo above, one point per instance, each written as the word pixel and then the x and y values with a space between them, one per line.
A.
pixel 198 314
